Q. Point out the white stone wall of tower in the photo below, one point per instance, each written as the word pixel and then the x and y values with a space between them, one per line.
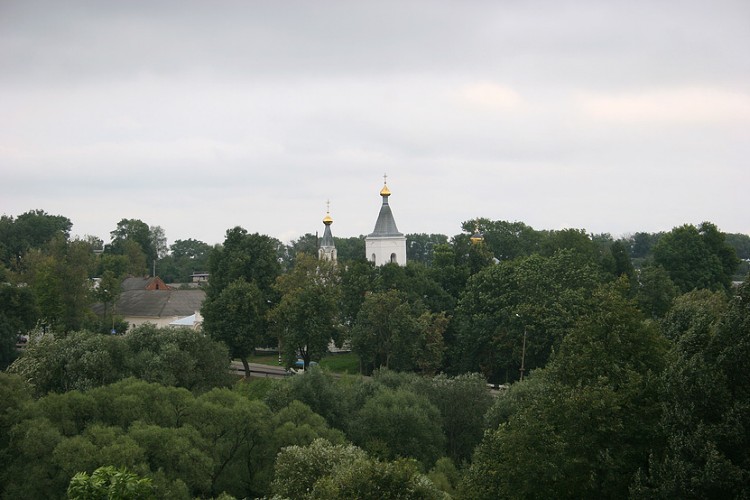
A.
pixel 327 253
pixel 382 250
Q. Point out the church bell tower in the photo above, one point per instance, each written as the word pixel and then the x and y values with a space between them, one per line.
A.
pixel 327 250
pixel 385 244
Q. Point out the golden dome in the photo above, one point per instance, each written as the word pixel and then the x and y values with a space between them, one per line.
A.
pixel 327 219
pixel 477 237
pixel 385 191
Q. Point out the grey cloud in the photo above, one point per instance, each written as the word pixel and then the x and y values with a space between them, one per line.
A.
pixel 255 113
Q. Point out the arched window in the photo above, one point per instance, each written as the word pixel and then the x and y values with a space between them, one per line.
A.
pixel 373 258
pixel 393 258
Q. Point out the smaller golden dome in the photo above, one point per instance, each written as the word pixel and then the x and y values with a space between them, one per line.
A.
pixel 327 219
pixel 385 191
pixel 477 237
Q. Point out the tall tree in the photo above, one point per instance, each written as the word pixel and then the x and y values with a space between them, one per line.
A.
pixel 306 244
pixel 252 257
pixel 357 280
pixel 655 291
pixel 640 245
pixel 418 284
pixel 240 291
pixel 18 313
pixel 306 318
pixel 697 257
pixel 32 229
pixel 386 333
pixel 506 240
pixel 59 275
pixel 576 240
pixel 107 292
pixel 448 270
pixel 741 244
pixel 133 237
pixel 617 261
pixel 158 241
pixel 237 317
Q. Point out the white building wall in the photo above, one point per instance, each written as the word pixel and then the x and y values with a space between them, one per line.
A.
pixel 385 249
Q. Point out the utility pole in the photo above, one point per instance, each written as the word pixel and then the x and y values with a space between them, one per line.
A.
pixel 523 352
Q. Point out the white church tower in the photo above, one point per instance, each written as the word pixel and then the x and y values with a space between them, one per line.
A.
pixel 385 244
pixel 327 250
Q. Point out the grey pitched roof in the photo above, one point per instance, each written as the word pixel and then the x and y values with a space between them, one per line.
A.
pixel 159 303
pixel 386 224
pixel 327 240
pixel 129 284
pixel 136 301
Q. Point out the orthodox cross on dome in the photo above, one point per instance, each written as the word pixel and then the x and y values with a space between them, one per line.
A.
pixel 385 192
pixel 327 220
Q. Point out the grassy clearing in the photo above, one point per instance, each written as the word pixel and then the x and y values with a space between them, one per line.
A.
pixel 341 363
pixel 265 359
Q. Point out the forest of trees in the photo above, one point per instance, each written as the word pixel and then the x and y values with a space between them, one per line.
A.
pixel 622 366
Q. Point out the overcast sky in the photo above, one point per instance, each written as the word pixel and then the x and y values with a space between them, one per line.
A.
pixel 608 116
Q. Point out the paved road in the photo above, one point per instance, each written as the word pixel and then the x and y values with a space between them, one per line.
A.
pixel 257 370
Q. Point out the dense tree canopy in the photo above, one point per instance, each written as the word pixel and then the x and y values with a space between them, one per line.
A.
pixel 189 446
pixel 590 417
pixel 542 296
pixel 83 360
pixel 32 229
pixel 420 246
pixel 388 332
pixel 634 353
pixel 506 240
pixel 350 249
pixel 399 423
pixel 185 258
pixel 697 257
pixel 706 394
